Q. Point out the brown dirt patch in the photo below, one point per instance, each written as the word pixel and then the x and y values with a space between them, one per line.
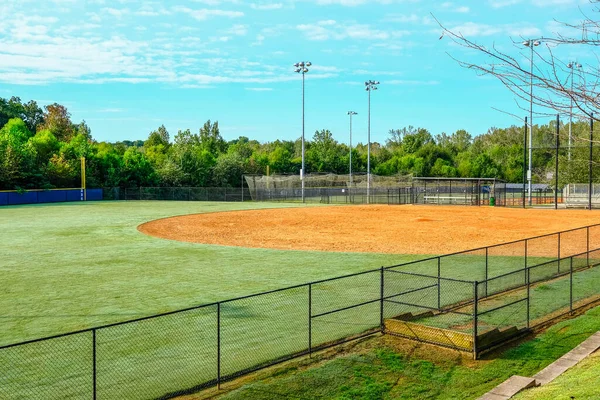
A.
pixel 376 229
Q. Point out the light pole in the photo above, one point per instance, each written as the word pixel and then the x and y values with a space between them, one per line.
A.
pixel 572 65
pixel 531 44
pixel 369 87
pixel 302 68
pixel 351 113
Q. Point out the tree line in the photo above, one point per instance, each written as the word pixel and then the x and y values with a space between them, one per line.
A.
pixel 42 148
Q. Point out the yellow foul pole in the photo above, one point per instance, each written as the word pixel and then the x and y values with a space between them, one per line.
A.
pixel 83 191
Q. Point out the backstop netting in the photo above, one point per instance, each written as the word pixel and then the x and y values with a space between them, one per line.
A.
pixel 398 189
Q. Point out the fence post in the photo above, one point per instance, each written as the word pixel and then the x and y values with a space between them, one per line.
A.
pixel 310 319
pixel 475 295
pixel 571 288
pixel 219 346
pixel 94 369
pixel 439 265
pixel 526 273
pixel 381 293
pixel 524 164
pixel 558 250
pixel 528 278
pixel 588 246
pixel 556 165
pixel 590 173
pixel 486 271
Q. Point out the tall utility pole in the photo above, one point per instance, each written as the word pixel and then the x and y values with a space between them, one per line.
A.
pixel 531 44
pixel 572 65
pixel 351 113
pixel 302 68
pixel 369 87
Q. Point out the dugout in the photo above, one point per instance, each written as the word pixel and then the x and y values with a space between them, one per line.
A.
pixel 458 191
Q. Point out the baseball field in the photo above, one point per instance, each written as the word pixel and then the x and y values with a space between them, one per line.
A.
pixel 69 267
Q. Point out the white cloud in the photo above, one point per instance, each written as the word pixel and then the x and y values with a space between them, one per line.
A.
pixel 354 3
pixel 237 30
pixel 259 89
pixel 503 3
pixel 118 13
pixel 449 6
pixel 330 29
pixel 268 6
pixel 411 82
pixel 203 14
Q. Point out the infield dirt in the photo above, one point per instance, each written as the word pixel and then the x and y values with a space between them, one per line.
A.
pixel 377 229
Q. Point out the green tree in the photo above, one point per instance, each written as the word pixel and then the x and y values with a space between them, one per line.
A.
pixel 58 121
pixel 210 138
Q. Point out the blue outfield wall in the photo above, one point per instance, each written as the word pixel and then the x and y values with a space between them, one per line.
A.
pixel 48 196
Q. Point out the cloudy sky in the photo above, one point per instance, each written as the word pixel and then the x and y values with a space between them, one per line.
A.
pixel 127 66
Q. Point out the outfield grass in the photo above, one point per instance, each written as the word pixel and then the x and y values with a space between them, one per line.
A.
pixel 72 266
pixel 381 369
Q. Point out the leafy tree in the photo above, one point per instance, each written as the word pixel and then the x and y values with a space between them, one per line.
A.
pixel 58 121
pixel 158 137
pixel 210 138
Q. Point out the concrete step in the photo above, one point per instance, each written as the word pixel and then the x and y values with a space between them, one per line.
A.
pixel 509 388
pixel 580 352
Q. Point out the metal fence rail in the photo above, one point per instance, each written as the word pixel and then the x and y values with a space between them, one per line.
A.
pixel 518 286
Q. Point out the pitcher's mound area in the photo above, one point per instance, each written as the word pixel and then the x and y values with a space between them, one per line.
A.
pixel 377 229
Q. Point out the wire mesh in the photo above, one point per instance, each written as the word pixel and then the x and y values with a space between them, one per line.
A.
pixel 571 243
pixel 542 249
pixel 503 283
pixel 505 258
pixel 334 294
pixel 549 298
pixel 594 257
pixel 261 330
pixel 429 309
pixel 468 265
pixel 179 348
pixel 406 293
pixel 345 307
pixel 344 324
pixel 428 266
pixel 580 261
pixel 585 284
pixel 544 271
pixel 594 237
pixel 57 368
pixel 500 318
pixel 178 193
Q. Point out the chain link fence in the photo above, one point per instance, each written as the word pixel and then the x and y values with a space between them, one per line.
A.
pixel 471 301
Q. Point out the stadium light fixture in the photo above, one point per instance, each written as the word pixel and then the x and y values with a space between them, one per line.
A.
pixel 531 43
pixel 572 66
pixel 369 87
pixel 302 68
pixel 351 113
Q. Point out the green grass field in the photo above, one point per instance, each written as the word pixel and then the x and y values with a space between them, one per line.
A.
pixel 380 370
pixel 68 267
pixel 73 266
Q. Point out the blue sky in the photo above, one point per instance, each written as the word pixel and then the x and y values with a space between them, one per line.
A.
pixel 127 66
